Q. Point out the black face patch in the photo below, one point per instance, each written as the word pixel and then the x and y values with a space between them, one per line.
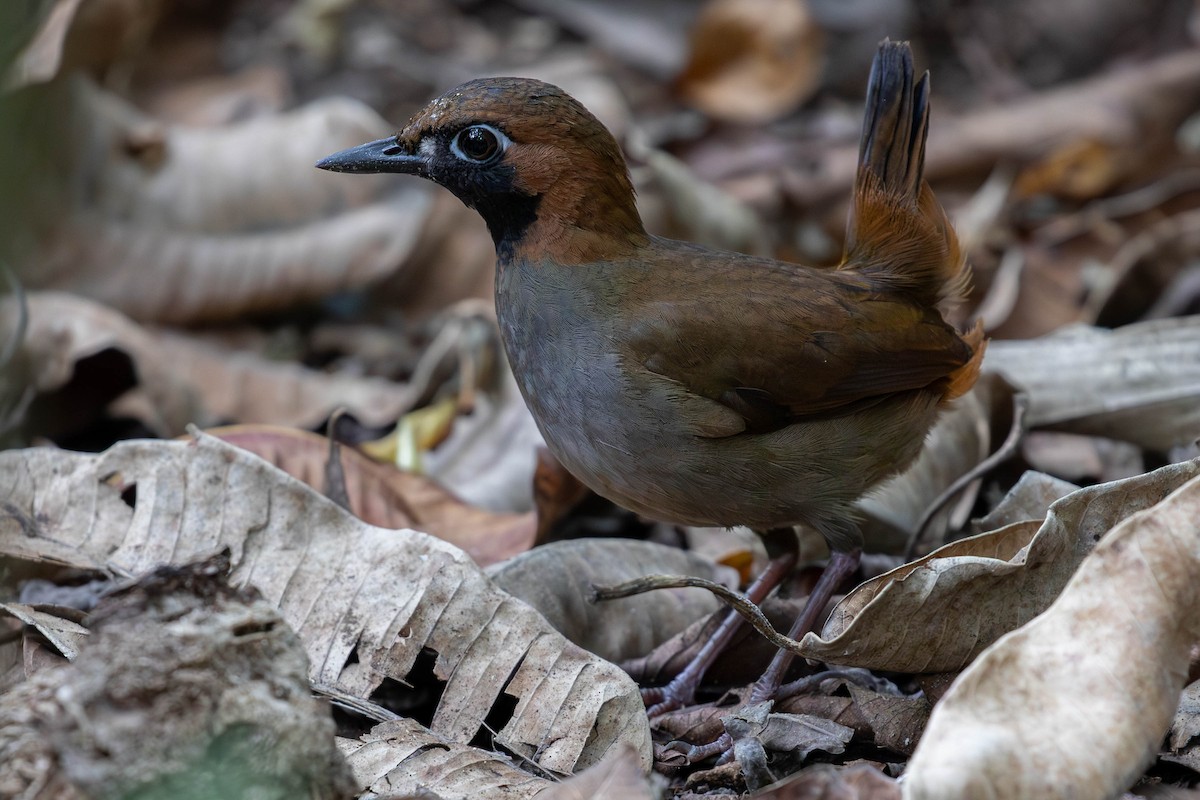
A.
pixel 489 189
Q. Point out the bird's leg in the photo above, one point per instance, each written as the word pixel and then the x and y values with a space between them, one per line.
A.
pixel 681 691
pixel 841 565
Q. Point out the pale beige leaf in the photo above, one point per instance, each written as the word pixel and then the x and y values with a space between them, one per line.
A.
pixel 1139 383
pixel 1076 703
pixel 962 597
pixel 557 578
pixel 1186 726
pixel 345 586
pixel 177 225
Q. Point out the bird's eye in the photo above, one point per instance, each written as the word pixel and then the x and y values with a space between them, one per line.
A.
pixel 479 144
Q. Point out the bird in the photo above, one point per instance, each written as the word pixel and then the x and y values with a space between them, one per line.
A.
pixel 697 386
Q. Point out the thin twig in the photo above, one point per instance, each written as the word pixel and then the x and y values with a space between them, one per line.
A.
pixel 1137 201
pixel 735 600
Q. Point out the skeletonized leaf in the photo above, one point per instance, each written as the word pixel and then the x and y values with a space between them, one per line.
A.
pixel 962 597
pixel 556 579
pixel 366 601
pixel 1075 703
pixel 1139 383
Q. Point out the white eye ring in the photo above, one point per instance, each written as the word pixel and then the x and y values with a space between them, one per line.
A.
pixel 483 144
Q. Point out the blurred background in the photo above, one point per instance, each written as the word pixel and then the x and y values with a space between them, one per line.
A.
pixel 170 256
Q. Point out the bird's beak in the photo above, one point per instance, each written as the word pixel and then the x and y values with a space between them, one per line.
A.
pixel 381 155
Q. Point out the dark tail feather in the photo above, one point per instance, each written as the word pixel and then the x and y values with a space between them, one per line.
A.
pixel 896 122
pixel 897 234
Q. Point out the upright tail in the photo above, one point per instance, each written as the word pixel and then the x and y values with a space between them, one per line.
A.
pixel 898 234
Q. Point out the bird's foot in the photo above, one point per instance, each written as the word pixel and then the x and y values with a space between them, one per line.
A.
pixel 695 753
pixel 679 693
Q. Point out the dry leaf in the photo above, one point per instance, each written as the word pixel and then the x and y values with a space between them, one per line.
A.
pixel 182 380
pixel 826 782
pixel 388 497
pixel 752 61
pixel 402 759
pixel 962 597
pixel 896 720
pixel 1030 498
pixel 1075 703
pixel 1139 383
pixel 366 601
pixel 178 225
pixel 67 637
pixel 695 210
pixel 617 777
pixel 39 58
pixel 490 456
pixel 1079 170
pixel 755 730
pixel 399 758
pixel 557 578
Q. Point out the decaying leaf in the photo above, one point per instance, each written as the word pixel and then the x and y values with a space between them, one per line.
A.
pixel 1076 703
pixel 962 597
pixel 401 757
pixel 365 601
pixel 388 497
pixel 1139 383
pixel 557 578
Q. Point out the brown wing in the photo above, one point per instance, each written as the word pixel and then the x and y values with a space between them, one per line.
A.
pixel 781 341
